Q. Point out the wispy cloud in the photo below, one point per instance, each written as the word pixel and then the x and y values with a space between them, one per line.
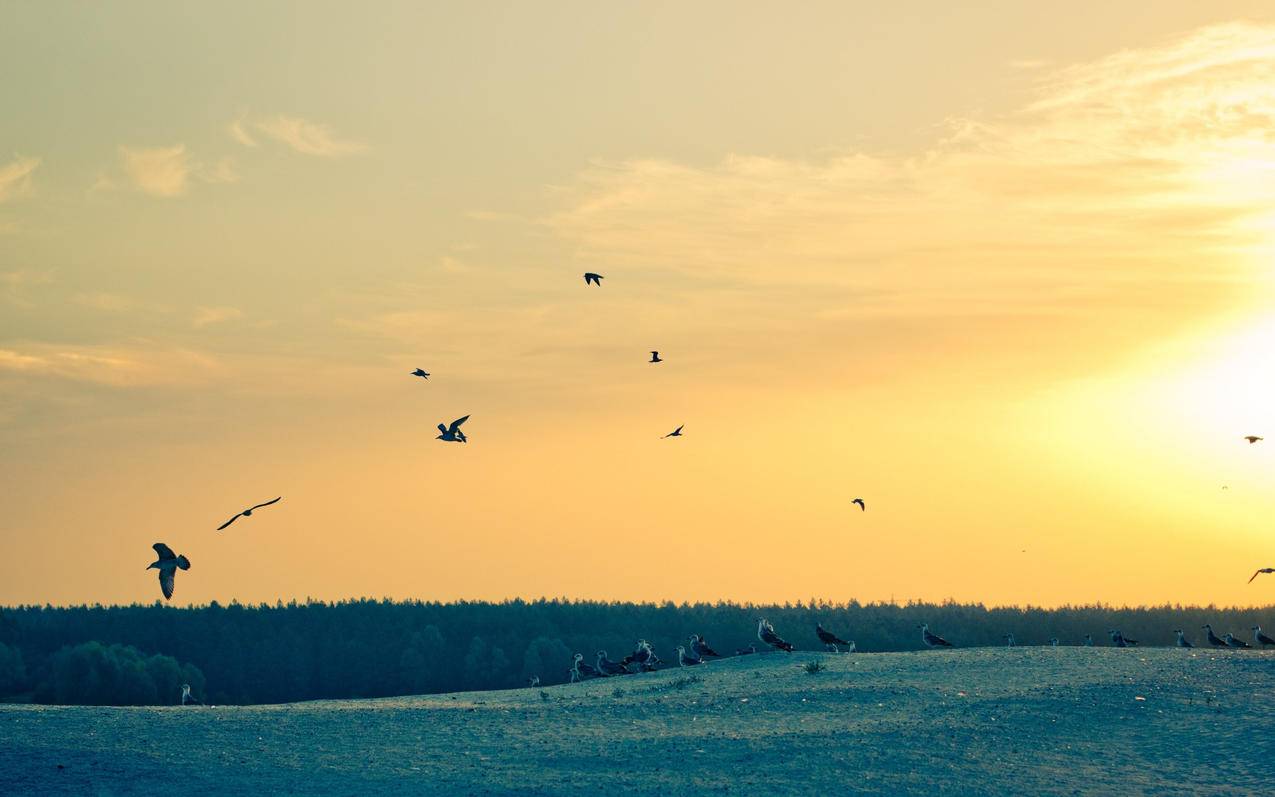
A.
pixel 15 177
pixel 309 138
pixel 206 316
pixel 160 171
pixel 108 365
pixel 238 130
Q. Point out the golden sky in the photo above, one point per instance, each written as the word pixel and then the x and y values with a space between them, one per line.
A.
pixel 1006 274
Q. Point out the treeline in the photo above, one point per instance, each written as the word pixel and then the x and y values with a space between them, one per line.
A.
pixel 124 655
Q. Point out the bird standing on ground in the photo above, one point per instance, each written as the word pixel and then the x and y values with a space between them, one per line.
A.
pixel 248 512
pixel 167 565
pixel 643 656
pixel 1212 637
pixel 748 651
pixel 1260 638
pixel 1260 572
pixel 932 640
pixel 862 506
pixel 830 640
pixel 1053 642
pixel 685 659
pixel 1088 640
pixel 420 373
pixel 590 277
pixel 1231 641
pixel 766 633
pixel 453 434
pixel 1120 640
pixel 533 681
pixel 580 670
pixel 608 667
pixel 1183 642
pixel 701 649
pixel 655 357
pixel 675 433
pixel 1009 640
pixel 187 698
pixel 1252 438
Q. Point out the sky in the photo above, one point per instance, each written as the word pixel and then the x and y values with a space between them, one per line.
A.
pixel 1005 273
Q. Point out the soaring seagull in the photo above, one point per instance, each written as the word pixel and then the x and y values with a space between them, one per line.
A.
pixel 1213 640
pixel 766 633
pixel 862 506
pixel 1236 643
pixel 932 640
pixel 453 434
pixel 675 433
pixel 590 277
pixel 655 357
pixel 248 512
pixel 1183 642
pixel 1260 638
pixel 1260 572
pixel 420 373
pixel 701 649
pixel 685 659
pixel 830 640
pixel 1252 438
pixel 167 565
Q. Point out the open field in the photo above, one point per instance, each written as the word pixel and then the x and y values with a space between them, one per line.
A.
pixel 1001 721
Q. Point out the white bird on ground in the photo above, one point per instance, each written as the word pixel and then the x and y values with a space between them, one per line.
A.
pixel 608 667
pixel 1260 638
pixel 701 649
pixel 187 698
pixel 1183 642
pixel 167 565
pixel 685 659
pixel 580 670
pixel 766 633
pixel 932 640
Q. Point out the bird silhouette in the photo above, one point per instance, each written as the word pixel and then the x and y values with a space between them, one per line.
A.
pixel 701 648
pixel 453 434
pixel 1260 572
pixel 1252 438
pixel 766 633
pixel 248 512
pixel 931 639
pixel 1231 641
pixel 655 357
pixel 1261 638
pixel 675 433
pixel 167 565
pixel 685 659
pixel 862 506
pixel 829 639
pixel 420 373
pixel 590 277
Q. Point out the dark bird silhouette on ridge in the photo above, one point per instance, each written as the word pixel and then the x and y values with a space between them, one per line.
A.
pixel 248 512
pixel 829 639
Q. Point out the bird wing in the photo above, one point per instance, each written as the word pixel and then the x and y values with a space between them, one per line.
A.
pixel 1255 575
pixel 166 578
pixel 163 551
pixel 456 424
pixel 228 522
pixel 442 428
pixel 268 503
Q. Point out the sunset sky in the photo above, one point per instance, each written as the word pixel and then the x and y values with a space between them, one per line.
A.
pixel 1007 274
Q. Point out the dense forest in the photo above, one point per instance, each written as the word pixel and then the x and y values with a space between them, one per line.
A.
pixel 137 655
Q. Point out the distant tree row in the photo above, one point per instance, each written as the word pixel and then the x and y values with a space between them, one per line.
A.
pixel 131 655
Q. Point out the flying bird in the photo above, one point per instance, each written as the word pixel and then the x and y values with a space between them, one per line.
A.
pixel 932 640
pixel 1212 637
pixel 1260 572
pixel 862 506
pixel 590 277
pixel 1252 438
pixel 700 648
pixel 830 640
pixel 655 357
pixel 453 434
pixel 766 633
pixel 167 565
pixel 1261 638
pixel 420 373
pixel 248 512
pixel 675 433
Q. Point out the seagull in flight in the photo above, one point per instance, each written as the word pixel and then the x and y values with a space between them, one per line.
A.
pixel 1260 572
pixel 655 357
pixel 248 512
pixel 675 433
pixel 590 277
pixel 420 373
pixel 1252 438
pixel 167 565
pixel 862 506
pixel 453 434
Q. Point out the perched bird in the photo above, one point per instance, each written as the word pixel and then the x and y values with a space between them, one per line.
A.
pixel 687 660
pixel 1183 642
pixel 248 512
pixel 862 506
pixel 580 670
pixel 1252 438
pixel 1212 637
pixel 1260 638
pixel 700 648
pixel 533 681
pixel 751 649
pixel 1236 643
pixel 420 373
pixel 1120 640
pixel 590 277
pixel 1009 640
pixel 655 357
pixel 643 656
pixel 1053 642
pixel 1260 572
pixel 675 433
pixel 187 698
pixel 453 434
pixel 932 640
pixel 1088 641
pixel 766 633
pixel 608 667
pixel 167 565
pixel 830 640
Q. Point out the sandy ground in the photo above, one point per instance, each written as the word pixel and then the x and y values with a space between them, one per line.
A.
pixel 990 721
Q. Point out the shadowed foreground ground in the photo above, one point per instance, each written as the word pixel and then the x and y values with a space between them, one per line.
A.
pixel 1023 720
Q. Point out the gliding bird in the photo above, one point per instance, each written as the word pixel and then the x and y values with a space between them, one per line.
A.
pixel 167 565
pixel 248 512
pixel 453 434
